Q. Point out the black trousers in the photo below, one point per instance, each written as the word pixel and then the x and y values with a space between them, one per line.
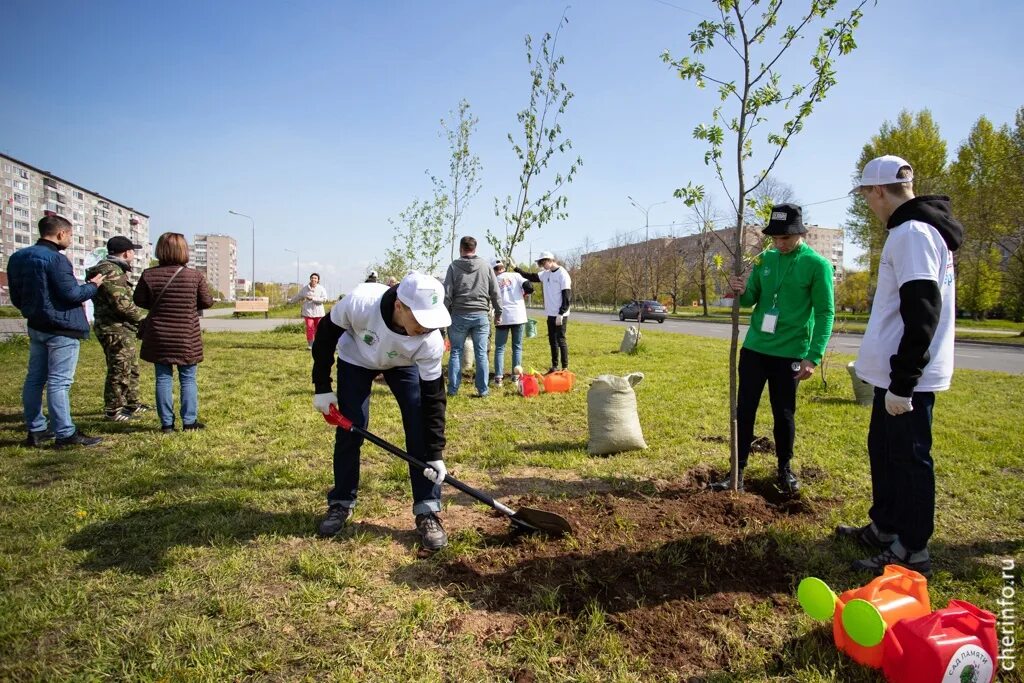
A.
pixel 902 471
pixel 754 371
pixel 556 339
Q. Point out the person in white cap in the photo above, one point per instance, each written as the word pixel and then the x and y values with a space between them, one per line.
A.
pixel 392 331
pixel 512 289
pixel 372 277
pixel 907 354
pixel 557 288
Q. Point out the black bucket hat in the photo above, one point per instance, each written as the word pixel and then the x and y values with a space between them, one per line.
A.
pixel 786 219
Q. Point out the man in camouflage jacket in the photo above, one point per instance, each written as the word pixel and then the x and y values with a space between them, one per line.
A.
pixel 116 322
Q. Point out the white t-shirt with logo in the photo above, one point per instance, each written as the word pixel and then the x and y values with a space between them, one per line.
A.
pixel 369 343
pixel 513 305
pixel 553 282
pixel 912 251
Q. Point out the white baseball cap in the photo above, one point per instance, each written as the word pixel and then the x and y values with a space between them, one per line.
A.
pixel 544 256
pixel 883 170
pixel 495 262
pixel 373 273
pixel 424 296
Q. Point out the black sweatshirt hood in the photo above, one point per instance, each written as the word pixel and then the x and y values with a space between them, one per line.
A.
pixel 934 210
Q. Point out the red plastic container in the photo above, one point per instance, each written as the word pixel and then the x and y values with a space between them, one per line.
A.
pixel 528 385
pixel 899 593
pixel 951 645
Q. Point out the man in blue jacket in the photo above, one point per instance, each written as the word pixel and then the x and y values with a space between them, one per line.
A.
pixel 45 290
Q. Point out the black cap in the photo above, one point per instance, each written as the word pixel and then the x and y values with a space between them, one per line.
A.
pixel 119 245
pixel 786 219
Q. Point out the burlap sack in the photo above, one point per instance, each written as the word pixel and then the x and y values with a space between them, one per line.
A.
pixel 630 340
pixel 612 418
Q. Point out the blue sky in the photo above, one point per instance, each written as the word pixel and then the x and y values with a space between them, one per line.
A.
pixel 319 118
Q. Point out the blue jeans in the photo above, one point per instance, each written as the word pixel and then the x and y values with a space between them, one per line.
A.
pixel 165 394
pixel 500 339
pixel 902 471
pixel 354 385
pixel 52 360
pixel 463 325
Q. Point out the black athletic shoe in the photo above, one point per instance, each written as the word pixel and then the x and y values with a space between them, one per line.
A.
pixel 168 429
pixel 866 536
pixel 787 481
pixel 726 484
pixel 39 439
pixel 119 415
pixel 77 439
pixel 138 409
pixel 335 520
pixel 876 565
pixel 193 427
pixel 432 534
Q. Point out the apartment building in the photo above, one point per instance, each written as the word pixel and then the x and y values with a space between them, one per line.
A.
pixel 28 193
pixel 216 257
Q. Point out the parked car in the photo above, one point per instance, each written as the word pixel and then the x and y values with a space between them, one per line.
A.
pixel 643 310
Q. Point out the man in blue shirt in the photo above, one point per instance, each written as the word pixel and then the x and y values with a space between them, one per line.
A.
pixel 45 290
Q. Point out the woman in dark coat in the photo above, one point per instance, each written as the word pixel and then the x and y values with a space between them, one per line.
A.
pixel 174 295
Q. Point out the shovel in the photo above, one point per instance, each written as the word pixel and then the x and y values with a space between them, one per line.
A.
pixel 526 519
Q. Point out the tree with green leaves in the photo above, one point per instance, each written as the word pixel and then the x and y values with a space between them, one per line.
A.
pixel 543 144
pixel 464 167
pixel 419 236
pixel 916 138
pixel 755 98
pixel 852 292
pixel 978 180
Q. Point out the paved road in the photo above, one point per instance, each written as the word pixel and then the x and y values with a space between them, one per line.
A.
pixel 969 356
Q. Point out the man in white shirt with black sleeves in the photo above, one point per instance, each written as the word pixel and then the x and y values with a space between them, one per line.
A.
pixel 393 331
pixel 557 287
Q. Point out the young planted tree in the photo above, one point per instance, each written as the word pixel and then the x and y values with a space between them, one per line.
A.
pixel 464 167
pixel 757 97
pixel 419 236
pixel 540 197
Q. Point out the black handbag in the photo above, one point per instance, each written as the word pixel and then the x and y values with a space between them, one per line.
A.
pixel 141 332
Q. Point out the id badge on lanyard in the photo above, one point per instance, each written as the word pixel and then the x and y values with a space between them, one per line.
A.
pixel 770 320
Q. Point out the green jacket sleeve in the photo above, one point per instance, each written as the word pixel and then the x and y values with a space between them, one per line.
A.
pixel 752 294
pixel 823 301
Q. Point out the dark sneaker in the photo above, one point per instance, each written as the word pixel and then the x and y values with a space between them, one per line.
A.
pixel 39 439
pixel 336 519
pixel 551 369
pixel 868 536
pixel 725 484
pixel 167 429
pixel 138 409
pixel 119 415
pixel 787 481
pixel 193 427
pixel 77 439
pixel 918 562
pixel 432 534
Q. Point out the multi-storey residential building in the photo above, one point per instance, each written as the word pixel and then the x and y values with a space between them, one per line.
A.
pixel 28 193
pixel 216 257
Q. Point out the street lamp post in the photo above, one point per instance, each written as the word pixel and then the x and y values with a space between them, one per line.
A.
pixel 647 238
pixel 253 224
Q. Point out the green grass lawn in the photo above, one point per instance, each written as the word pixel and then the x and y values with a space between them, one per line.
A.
pixel 193 556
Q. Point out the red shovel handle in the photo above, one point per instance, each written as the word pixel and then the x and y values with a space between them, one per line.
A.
pixel 335 418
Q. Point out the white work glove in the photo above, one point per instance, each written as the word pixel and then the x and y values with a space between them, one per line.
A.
pixel 558 320
pixel 322 402
pixel 435 471
pixel 897 405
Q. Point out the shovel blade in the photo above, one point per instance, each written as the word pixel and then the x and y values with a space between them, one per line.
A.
pixel 543 521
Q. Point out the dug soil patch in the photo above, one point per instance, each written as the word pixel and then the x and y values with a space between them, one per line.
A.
pixel 671 570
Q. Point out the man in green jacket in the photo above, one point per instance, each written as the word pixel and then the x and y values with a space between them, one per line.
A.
pixel 790 288
pixel 116 322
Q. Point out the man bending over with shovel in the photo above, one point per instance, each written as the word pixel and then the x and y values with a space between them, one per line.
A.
pixel 395 332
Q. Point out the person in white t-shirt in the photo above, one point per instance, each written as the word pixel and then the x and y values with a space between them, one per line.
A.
pixel 392 331
pixel 313 297
pixel 557 287
pixel 512 289
pixel 907 354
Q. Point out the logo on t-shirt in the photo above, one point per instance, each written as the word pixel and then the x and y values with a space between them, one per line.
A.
pixel 369 337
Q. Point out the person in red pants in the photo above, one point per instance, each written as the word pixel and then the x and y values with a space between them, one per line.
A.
pixel 313 297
